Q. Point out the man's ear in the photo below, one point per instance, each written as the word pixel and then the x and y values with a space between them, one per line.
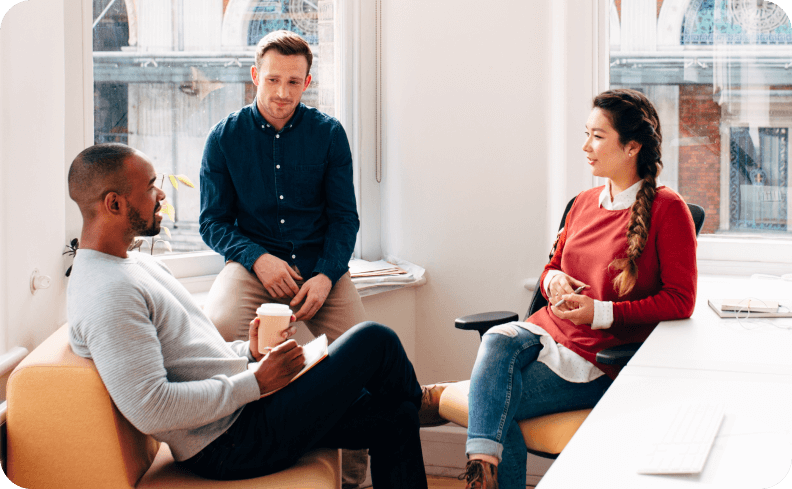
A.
pixel 112 203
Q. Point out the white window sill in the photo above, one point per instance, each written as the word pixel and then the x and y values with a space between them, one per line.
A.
pixel 197 271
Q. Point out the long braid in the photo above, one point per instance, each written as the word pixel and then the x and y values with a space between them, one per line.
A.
pixel 635 119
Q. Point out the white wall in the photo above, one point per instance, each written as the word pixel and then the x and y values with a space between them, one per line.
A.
pixel 472 94
pixel 33 81
pixel 483 111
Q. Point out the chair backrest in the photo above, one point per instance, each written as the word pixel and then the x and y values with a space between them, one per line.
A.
pixel 538 301
pixel 64 430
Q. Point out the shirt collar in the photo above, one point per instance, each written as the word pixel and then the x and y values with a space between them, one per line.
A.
pixel 295 118
pixel 624 200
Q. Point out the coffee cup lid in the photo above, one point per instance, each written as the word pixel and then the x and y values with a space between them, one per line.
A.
pixel 274 309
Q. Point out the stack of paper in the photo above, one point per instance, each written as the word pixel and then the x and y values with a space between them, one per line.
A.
pixel 363 268
pixel 749 305
pixel 745 308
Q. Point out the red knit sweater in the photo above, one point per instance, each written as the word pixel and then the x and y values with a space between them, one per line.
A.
pixel 665 288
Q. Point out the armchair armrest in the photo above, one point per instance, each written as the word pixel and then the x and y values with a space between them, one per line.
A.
pixel 618 355
pixel 484 321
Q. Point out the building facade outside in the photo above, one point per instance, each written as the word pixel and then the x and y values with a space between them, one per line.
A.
pixel 720 73
pixel 166 71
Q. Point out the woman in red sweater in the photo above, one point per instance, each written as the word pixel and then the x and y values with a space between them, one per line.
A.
pixel 632 247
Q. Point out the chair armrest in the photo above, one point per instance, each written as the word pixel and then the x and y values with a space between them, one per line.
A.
pixel 618 355
pixel 484 321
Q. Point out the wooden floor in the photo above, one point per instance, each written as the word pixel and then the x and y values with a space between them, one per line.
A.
pixel 436 482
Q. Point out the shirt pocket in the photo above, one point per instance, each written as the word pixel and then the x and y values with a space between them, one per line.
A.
pixel 309 185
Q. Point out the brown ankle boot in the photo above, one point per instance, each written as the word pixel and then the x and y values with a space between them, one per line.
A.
pixel 480 475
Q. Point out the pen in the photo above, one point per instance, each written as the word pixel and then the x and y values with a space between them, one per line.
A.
pixel 577 291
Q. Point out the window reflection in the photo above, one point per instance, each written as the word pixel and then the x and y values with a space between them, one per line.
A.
pixel 166 71
pixel 719 74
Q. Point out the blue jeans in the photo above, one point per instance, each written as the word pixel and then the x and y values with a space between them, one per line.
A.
pixel 363 395
pixel 508 385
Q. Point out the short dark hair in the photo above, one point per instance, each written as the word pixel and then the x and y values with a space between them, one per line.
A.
pixel 97 171
pixel 286 43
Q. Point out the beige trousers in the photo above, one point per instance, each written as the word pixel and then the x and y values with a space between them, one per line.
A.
pixel 237 293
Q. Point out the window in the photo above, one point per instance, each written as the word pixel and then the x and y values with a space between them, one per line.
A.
pixel 718 72
pixel 166 71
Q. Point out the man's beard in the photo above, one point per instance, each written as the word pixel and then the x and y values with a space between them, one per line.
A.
pixel 139 227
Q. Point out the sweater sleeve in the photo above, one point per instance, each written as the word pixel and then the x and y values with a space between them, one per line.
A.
pixel 676 254
pixel 126 349
pixel 555 261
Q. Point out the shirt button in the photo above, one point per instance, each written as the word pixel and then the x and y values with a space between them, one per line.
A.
pixel 277 166
pixel 281 197
pixel 294 256
pixel 262 126
pixel 282 221
pixel 277 136
pixel 267 125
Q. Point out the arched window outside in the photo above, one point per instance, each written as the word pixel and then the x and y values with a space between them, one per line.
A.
pixel 719 73
pixel 165 72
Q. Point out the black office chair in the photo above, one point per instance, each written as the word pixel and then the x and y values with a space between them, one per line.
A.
pixel 546 435
pixel 618 355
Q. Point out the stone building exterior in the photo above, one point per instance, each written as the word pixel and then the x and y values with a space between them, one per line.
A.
pixel 166 71
pixel 720 74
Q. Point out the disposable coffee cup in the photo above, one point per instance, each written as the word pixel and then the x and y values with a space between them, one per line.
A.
pixel 274 319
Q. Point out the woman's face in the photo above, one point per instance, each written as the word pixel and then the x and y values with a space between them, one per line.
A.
pixel 606 155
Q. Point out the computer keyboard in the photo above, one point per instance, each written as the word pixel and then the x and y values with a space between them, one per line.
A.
pixel 686 443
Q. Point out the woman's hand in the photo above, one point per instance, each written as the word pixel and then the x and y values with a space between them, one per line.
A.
pixel 577 308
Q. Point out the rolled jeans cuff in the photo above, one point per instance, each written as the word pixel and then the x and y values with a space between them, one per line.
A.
pixel 483 446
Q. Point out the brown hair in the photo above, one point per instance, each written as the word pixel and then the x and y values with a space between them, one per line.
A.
pixel 286 43
pixel 635 119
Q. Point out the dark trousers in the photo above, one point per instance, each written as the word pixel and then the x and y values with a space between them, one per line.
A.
pixel 363 395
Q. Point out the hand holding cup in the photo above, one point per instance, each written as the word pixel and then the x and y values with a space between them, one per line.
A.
pixel 274 320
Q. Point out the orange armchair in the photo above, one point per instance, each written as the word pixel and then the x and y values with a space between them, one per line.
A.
pixel 64 431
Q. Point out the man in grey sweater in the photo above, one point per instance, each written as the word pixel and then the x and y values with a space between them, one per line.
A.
pixel 171 374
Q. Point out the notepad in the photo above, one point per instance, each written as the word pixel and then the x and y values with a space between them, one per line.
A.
pixel 314 351
pixel 733 308
pixel 750 305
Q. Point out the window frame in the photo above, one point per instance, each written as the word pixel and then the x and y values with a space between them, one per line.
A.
pixel 356 110
pixel 741 255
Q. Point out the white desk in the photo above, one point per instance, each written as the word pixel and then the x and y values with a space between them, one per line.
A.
pixel 753 448
pixel 707 342
pixel 745 365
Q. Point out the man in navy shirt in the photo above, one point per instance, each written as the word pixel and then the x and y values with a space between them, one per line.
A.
pixel 278 202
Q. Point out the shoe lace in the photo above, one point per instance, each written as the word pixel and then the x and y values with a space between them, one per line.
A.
pixel 474 472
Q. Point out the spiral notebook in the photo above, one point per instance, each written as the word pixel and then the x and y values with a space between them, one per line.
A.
pixel 314 351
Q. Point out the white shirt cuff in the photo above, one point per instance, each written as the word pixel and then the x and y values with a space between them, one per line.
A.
pixel 603 315
pixel 548 279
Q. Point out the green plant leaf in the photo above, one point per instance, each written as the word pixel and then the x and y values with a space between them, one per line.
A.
pixel 168 210
pixel 173 181
pixel 166 231
pixel 137 244
pixel 183 179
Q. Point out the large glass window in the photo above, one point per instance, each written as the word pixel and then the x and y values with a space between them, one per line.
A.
pixel 720 74
pixel 166 71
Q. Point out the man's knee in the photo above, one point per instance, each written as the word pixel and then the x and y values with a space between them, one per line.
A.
pixel 373 332
pixel 230 326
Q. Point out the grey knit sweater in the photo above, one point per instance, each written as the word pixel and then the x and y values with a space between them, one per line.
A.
pixel 167 368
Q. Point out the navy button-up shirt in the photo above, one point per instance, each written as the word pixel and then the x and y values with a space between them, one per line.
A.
pixel 289 192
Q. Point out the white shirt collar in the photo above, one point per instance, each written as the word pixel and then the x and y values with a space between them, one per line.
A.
pixel 623 200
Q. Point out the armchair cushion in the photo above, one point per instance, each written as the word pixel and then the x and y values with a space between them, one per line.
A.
pixel 544 435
